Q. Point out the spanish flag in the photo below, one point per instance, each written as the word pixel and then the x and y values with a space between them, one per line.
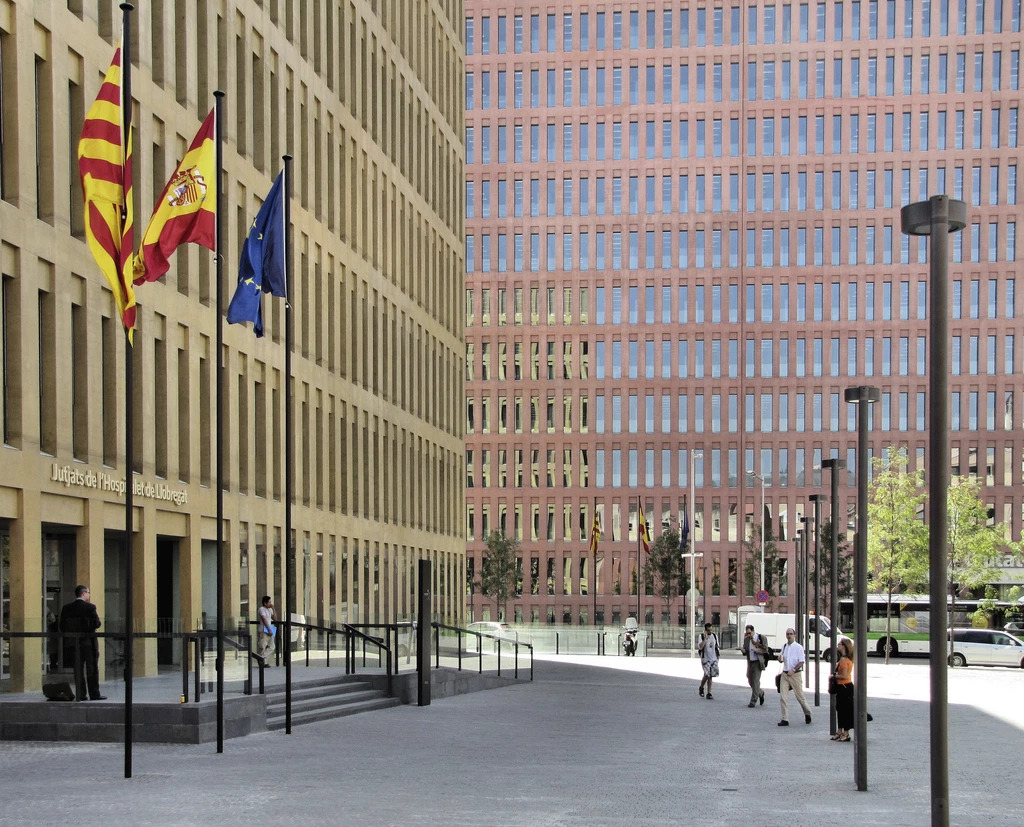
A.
pixel 186 210
pixel 105 165
pixel 645 530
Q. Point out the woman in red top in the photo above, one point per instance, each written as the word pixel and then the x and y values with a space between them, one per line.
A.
pixel 844 692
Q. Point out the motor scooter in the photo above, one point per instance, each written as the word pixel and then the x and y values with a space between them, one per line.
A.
pixel 631 634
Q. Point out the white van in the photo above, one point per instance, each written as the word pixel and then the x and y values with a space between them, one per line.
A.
pixel 773 626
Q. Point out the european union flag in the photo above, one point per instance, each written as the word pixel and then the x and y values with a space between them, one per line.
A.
pixel 262 269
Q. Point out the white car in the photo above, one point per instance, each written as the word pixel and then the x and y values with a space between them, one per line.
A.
pixel 493 628
pixel 986 647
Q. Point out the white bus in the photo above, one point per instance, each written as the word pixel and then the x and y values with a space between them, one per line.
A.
pixel 910 622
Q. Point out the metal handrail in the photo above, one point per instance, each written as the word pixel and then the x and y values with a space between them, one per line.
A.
pixel 437 626
pixel 194 637
pixel 351 633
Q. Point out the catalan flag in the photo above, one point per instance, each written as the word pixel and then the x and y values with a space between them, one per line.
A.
pixel 186 210
pixel 645 530
pixel 595 533
pixel 105 165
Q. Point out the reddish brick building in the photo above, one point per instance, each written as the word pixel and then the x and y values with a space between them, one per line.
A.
pixel 683 234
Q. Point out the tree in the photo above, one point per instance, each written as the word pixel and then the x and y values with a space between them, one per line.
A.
pixel 971 543
pixel 845 575
pixel 664 571
pixel 498 570
pixel 752 567
pixel 897 537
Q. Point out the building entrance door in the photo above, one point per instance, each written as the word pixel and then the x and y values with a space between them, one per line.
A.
pixel 115 569
pixel 59 561
pixel 168 594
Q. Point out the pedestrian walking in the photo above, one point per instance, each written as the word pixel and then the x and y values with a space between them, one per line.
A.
pixel 266 626
pixel 755 651
pixel 709 653
pixel 792 657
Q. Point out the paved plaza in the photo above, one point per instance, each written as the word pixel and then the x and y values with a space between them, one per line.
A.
pixel 591 741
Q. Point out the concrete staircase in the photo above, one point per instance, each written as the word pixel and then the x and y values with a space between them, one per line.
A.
pixel 325 698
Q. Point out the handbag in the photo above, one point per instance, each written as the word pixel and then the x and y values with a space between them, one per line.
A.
pixel 833 685
pixel 778 682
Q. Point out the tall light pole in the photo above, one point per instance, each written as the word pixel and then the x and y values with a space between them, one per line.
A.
pixel 817 499
pixel 757 476
pixel 805 577
pixel 834 465
pixel 693 543
pixel 937 217
pixel 862 396
pixel 798 545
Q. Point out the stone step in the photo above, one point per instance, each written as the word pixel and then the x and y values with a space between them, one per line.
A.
pixel 321 701
pixel 305 689
pixel 276 721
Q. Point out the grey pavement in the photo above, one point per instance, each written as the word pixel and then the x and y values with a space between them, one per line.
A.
pixel 595 741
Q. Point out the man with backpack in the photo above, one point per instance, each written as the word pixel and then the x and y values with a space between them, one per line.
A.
pixel 755 650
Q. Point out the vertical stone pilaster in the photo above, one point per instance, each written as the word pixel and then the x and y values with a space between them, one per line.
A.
pixel 27 593
pixel 144 591
pixel 89 561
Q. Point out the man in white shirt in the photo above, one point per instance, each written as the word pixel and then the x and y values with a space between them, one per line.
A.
pixel 267 629
pixel 792 657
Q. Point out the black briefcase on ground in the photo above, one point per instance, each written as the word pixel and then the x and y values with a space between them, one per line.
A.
pixel 57 685
pixel 58 691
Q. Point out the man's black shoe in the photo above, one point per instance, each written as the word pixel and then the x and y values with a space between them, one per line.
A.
pixel 783 723
pixel 751 705
pixel 98 698
pixel 807 718
pixel 762 699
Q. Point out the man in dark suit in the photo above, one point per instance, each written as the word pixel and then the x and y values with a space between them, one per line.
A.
pixel 80 616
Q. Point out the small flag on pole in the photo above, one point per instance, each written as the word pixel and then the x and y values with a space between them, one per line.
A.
pixel 645 530
pixel 186 210
pixel 595 533
pixel 105 166
pixel 262 268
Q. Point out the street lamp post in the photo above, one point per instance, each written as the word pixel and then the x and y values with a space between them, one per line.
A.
pixel 757 476
pixel 798 542
pixel 691 553
pixel 817 499
pixel 937 217
pixel 805 577
pixel 862 396
pixel 833 465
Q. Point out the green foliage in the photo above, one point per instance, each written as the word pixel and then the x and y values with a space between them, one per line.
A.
pixel 498 570
pixel 664 570
pixel 845 561
pixel 971 543
pixel 897 537
pixel 752 566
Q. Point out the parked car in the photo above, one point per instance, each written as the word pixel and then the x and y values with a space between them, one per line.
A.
pixel 1015 628
pixel 492 635
pixel 493 628
pixel 986 647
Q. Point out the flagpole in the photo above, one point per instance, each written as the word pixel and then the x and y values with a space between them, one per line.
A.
pixel 639 545
pixel 289 574
pixel 593 535
pixel 219 259
pixel 129 429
